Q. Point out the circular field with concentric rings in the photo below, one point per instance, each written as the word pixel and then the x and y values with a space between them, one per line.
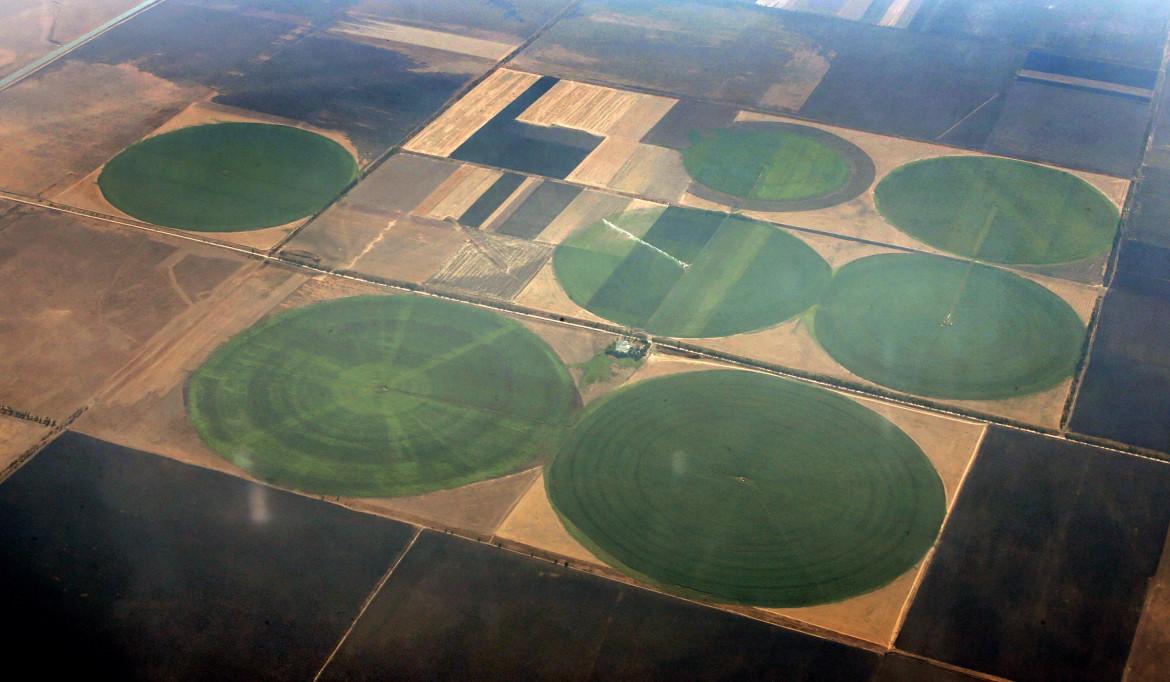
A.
pixel 689 273
pixel 998 210
pixel 382 396
pixel 946 328
pixel 745 488
pixel 227 177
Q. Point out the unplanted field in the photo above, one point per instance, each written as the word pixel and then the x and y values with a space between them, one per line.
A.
pixel 998 210
pixel 227 177
pixel 689 273
pixel 746 488
pixel 949 329
pixel 382 396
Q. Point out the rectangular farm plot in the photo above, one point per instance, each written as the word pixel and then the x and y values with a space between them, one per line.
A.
pixel 74 326
pixel 1127 381
pixel 125 554
pixel 492 265
pixel 1086 523
pixel 446 589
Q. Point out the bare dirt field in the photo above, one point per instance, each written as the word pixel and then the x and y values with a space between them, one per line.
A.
pixel 410 249
pixel 72 324
pixel 17 436
pixel 110 107
pixel 597 109
pixel 534 523
pixel 478 508
pixel 30 29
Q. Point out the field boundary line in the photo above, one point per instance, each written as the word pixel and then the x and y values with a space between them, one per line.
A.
pixel 414 132
pixel 369 600
pixel 926 560
pixel 53 56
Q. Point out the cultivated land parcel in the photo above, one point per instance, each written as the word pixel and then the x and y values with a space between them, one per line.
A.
pixel 826 329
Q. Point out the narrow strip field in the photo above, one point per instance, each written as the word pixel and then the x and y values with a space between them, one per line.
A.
pixel 382 396
pixel 746 488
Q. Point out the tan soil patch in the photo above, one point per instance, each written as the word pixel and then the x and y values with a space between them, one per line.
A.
pixel 1081 297
pixel 587 208
pixel 653 172
pixel 803 73
pixel 410 249
pixel 544 292
pixel 339 236
pixel 145 409
pixel 475 508
pixel 108 107
pixel 84 298
pixel 641 117
pixel 30 29
pixel 17 437
pixel 604 162
pixel 534 523
pixel 593 108
pixel 467 115
pixel 377 30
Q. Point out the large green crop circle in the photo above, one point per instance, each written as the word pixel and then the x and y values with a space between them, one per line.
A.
pixel 227 177
pixel 776 166
pixel 746 488
pixel 690 273
pixel 998 210
pixel 946 328
pixel 381 396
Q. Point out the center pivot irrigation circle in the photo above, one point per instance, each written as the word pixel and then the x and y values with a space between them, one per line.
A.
pixel 949 329
pixel 689 273
pixel 998 210
pixel 227 177
pixel 746 488
pixel 382 396
pixel 776 166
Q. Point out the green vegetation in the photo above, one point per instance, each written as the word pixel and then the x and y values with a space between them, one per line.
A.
pixel 718 275
pixel 382 396
pixel 949 329
pixel 227 177
pixel 600 367
pixel 746 488
pixel 998 210
pixel 768 165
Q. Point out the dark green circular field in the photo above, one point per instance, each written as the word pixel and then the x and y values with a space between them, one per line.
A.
pixel 946 328
pixel 745 488
pixel 227 177
pixel 690 273
pixel 382 396
pixel 998 210
pixel 776 164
